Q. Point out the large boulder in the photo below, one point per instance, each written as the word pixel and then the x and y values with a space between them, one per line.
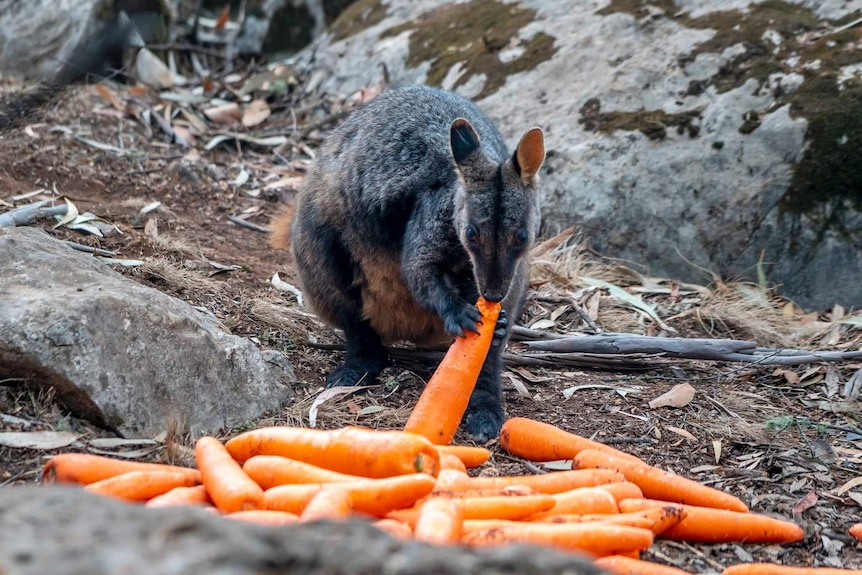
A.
pixel 684 135
pixel 68 531
pixel 121 354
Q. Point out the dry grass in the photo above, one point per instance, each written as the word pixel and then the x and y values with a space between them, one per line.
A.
pixel 736 310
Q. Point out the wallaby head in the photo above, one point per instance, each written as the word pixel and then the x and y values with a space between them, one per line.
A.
pixel 496 210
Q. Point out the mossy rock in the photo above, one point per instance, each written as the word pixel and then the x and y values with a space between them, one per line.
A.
pixel 473 35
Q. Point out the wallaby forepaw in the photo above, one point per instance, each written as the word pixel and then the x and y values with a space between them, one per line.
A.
pixel 349 376
pixel 501 329
pixel 460 321
pixel 484 419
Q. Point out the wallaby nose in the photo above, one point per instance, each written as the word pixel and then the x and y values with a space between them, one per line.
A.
pixel 493 295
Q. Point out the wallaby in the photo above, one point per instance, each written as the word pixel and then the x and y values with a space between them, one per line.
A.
pixel 411 210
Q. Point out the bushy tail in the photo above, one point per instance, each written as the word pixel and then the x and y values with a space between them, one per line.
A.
pixel 279 227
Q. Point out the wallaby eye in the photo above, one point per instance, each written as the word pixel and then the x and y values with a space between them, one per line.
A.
pixel 521 238
pixel 472 234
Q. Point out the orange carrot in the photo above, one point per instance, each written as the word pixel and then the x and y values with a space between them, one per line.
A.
pixel 471 456
pixel 196 495
pixel 291 498
pixel 84 468
pixel 597 539
pixel 537 441
pixel 352 450
pixel 622 490
pixel 227 484
pixel 507 491
pixel 582 500
pixel 502 507
pixel 710 525
pixel 371 496
pixel 856 531
pixel 627 566
pixel 264 517
pixel 271 470
pixel 775 569
pixel 439 521
pixel 441 406
pixel 482 506
pixel 331 502
pixel 140 485
pixel 449 461
pixel 659 484
pixel 394 528
pixel 656 520
pixel 553 482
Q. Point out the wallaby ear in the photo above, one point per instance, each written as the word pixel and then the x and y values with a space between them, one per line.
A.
pixel 463 140
pixel 530 154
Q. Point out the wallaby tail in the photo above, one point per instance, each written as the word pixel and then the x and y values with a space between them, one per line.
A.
pixel 279 227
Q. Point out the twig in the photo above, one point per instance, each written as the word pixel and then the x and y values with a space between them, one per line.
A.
pixel 249 225
pixel 423 356
pixel 90 249
pixel 731 350
pixel 168 129
pixel 29 213
pixel 847 26
pixel 188 48
pixel 582 313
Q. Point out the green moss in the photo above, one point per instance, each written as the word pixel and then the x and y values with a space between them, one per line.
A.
pixel 651 123
pixel 828 179
pixel 638 8
pixel 359 16
pixel 473 35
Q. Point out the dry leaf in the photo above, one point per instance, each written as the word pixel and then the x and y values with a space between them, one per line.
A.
pixel 681 432
pixel 680 396
pixel 152 71
pixel 328 394
pixel 223 18
pixel 151 228
pixel 856 482
pixel 807 502
pixel 110 96
pixel 255 113
pixel 519 386
pixel 789 376
pixel 224 114
pixel 38 439
pixel 550 243
pixel 543 324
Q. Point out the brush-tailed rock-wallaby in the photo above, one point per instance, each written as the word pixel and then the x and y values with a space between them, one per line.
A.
pixel 412 209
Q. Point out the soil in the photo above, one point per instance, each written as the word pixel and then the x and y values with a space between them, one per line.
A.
pixel 747 430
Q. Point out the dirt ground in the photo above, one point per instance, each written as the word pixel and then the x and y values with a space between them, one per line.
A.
pixel 777 452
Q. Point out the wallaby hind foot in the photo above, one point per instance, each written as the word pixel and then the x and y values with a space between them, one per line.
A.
pixel 484 416
pixel 363 361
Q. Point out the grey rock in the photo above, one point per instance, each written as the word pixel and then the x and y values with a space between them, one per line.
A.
pixel 44 39
pixel 717 195
pixel 70 532
pixel 122 354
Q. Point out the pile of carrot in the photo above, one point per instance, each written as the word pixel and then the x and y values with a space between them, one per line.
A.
pixel 413 484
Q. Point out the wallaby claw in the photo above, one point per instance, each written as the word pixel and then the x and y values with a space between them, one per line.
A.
pixel 463 320
pixel 501 328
